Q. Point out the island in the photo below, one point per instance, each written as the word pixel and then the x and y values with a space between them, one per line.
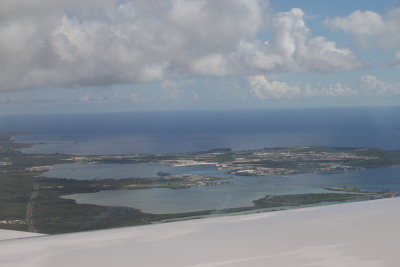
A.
pixel 32 202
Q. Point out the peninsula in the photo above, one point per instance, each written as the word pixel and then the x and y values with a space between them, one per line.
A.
pixel 31 202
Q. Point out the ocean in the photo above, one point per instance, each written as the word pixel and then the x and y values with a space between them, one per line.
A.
pixel 189 131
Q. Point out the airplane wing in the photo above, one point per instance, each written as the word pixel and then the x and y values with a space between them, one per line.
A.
pixel 353 234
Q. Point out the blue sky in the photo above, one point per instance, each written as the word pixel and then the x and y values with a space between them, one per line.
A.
pixel 138 55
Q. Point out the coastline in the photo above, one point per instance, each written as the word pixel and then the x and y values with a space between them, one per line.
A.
pixel 56 214
pixel 338 235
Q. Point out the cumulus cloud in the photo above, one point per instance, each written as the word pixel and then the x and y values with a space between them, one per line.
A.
pixel 396 61
pixel 88 99
pixel 137 98
pixel 5 100
pixel 294 49
pixel 263 89
pixel 98 43
pixel 168 84
pixel 331 90
pixel 397 56
pixel 371 28
pixel 371 85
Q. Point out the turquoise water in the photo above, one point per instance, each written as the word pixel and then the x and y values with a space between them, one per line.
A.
pixel 241 192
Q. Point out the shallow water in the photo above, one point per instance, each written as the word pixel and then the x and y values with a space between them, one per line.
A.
pixel 90 171
pixel 164 132
pixel 242 192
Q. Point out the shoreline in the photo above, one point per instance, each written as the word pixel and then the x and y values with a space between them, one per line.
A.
pixel 53 214
pixel 350 234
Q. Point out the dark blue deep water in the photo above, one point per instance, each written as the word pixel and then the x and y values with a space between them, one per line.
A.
pixel 156 132
pixel 185 131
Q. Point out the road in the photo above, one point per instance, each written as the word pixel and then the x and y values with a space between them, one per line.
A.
pixel 29 211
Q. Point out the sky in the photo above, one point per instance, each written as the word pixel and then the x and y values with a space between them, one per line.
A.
pixel 69 56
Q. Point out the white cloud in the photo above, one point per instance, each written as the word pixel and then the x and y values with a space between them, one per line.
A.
pixel 294 49
pixel 331 90
pixel 85 99
pixel 99 99
pixel 358 22
pixel 397 56
pixel 263 89
pixel 168 84
pixel 371 28
pixel 5 100
pixel 396 60
pixel 137 98
pixel 371 85
pixel 195 95
pixel 172 95
pixel 98 43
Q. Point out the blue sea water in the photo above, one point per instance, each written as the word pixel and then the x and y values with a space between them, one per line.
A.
pixel 178 131
pixel 164 132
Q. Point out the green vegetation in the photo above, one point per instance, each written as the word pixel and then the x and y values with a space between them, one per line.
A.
pixel 54 215
pixel 16 190
pixel 324 149
pixel 348 189
pixel 378 158
pixel 71 186
pixel 22 189
pixel 8 147
pixel 304 199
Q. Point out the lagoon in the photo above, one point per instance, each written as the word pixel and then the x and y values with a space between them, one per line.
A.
pixel 242 192
pixel 171 132
pixel 91 171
